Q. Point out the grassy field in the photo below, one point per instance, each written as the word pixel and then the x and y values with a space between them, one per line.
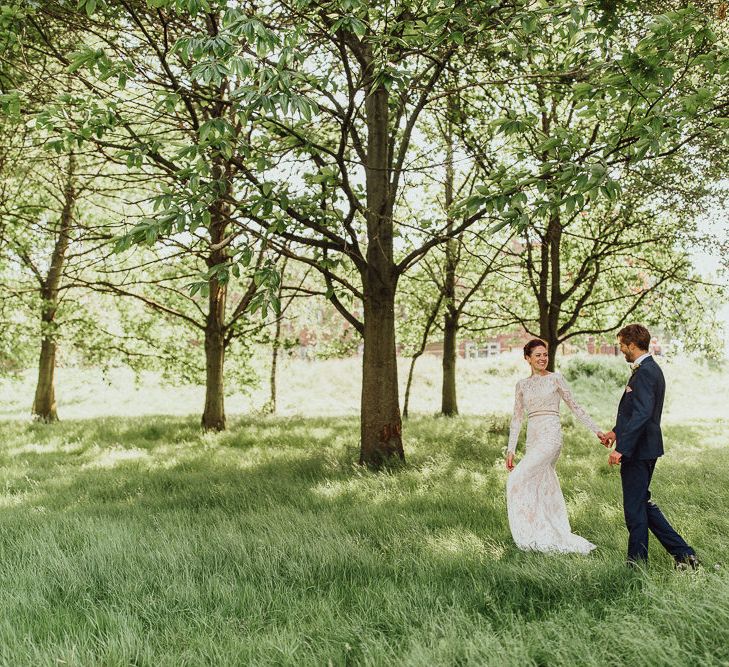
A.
pixel 137 540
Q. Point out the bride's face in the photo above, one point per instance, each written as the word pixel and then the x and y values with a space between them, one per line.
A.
pixel 538 359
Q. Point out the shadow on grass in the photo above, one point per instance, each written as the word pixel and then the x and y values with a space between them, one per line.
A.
pixel 440 520
pixel 288 457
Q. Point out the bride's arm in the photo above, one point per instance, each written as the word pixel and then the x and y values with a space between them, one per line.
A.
pixel 577 409
pixel 516 419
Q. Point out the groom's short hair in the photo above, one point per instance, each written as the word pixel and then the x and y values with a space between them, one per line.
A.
pixel 635 333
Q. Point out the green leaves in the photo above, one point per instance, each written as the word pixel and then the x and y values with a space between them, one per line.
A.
pixel 548 145
pixel 191 7
pixel 267 279
pixel 584 90
pixel 73 120
pixel 350 23
pixel 145 232
pixel 98 62
pixel 215 130
pixel 89 6
pixel 238 31
pixel 209 72
pixel 512 124
pixel 457 38
pixel 10 104
pixel 89 58
pixel 529 24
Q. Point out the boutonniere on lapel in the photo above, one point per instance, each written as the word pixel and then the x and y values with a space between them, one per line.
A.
pixel 628 389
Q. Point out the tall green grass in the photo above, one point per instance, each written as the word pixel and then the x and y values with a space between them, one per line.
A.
pixel 140 541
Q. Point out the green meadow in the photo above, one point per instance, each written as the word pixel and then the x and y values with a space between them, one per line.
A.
pixel 135 539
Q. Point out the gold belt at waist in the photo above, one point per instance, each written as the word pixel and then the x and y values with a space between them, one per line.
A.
pixel 539 413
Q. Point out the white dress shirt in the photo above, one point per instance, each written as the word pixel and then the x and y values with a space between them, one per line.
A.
pixel 640 359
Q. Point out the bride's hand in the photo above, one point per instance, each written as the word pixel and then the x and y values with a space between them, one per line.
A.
pixel 509 461
pixel 605 438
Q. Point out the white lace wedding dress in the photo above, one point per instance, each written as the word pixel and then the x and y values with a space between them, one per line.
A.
pixel 536 507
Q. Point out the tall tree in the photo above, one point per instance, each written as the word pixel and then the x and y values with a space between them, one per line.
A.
pixel 145 101
pixel 581 137
pixel 49 241
pixel 378 68
pixel 44 402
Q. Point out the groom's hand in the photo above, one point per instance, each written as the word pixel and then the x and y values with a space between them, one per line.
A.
pixel 614 458
pixel 608 438
pixel 603 438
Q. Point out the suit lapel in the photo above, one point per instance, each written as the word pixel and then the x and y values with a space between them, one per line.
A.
pixel 647 360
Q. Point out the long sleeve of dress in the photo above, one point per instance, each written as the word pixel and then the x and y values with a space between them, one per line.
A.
pixel 577 409
pixel 516 419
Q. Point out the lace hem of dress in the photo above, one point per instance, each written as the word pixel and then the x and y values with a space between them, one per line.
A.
pixel 579 546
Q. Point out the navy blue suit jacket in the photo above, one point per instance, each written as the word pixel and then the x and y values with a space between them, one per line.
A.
pixel 638 425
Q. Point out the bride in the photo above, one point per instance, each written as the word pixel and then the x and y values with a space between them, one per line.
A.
pixel 536 507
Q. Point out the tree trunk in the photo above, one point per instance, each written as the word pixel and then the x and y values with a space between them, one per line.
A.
pixel 44 403
pixel 381 425
pixel 553 343
pixel 449 403
pixel 274 363
pixel 213 417
pixel 419 353
pixel 551 307
pixel 271 405
pixel 409 384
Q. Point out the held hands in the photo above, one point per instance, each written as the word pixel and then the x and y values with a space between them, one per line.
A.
pixel 607 439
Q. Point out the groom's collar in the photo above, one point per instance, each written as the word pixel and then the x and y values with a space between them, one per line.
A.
pixel 641 359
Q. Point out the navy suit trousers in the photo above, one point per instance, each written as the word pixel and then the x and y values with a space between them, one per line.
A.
pixel 642 514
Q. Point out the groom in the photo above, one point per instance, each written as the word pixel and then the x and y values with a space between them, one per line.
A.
pixel 638 443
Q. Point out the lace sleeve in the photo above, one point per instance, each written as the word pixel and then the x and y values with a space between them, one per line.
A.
pixel 577 409
pixel 516 419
